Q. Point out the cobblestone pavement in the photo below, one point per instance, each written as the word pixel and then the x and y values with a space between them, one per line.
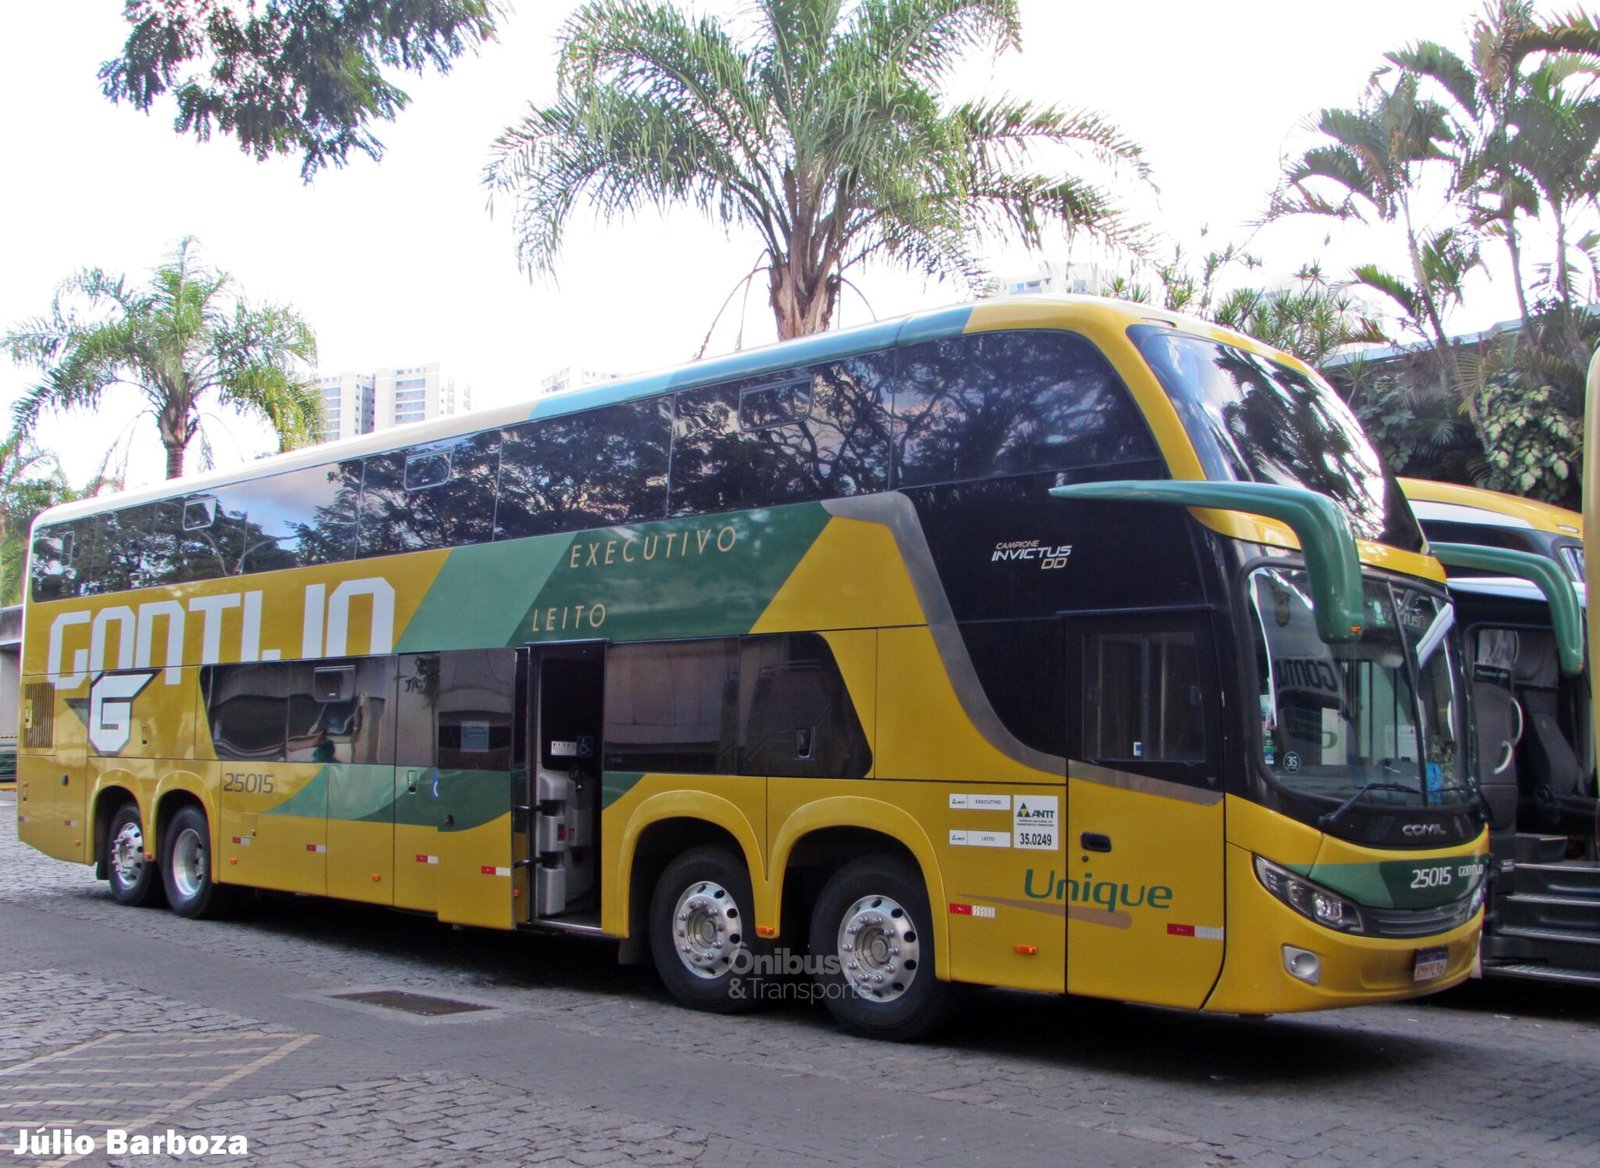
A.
pixel 171 1029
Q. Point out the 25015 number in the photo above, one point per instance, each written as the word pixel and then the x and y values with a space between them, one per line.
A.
pixel 247 782
pixel 1430 878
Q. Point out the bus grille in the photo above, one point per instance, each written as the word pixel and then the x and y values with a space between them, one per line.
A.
pixel 40 732
pixel 1416 922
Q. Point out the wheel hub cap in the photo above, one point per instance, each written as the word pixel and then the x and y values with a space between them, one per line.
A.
pixel 879 950
pixel 706 929
pixel 127 854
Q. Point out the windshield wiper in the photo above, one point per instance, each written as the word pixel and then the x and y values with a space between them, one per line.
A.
pixel 1332 818
pixel 1480 802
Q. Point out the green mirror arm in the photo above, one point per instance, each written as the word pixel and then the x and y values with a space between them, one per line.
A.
pixel 1330 549
pixel 1566 618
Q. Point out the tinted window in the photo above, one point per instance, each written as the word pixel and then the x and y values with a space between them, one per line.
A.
pixel 768 705
pixel 434 496
pixel 301 711
pixel 670 706
pixel 795 715
pixel 594 469
pixel 1255 420
pixel 990 404
pixel 817 432
pixel 115 550
pixel 55 561
pixel 281 521
pixel 1142 698
pixel 1020 665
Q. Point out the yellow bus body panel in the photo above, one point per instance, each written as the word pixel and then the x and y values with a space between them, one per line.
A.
pixel 1145 920
pixel 1354 969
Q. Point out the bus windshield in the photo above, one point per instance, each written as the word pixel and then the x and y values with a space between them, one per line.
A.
pixel 1252 419
pixel 1381 715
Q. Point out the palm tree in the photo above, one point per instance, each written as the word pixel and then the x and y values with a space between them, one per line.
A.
pixel 1557 148
pixel 176 342
pixel 1371 167
pixel 816 123
pixel 1490 92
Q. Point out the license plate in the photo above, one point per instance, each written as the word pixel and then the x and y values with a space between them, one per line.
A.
pixel 1430 963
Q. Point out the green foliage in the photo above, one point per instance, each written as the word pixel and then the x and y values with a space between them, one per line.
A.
pixel 1533 444
pixel 178 343
pixel 1419 431
pixel 816 125
pixel 289 76
pixel 1310 320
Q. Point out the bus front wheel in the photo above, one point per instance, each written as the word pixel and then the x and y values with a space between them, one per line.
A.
pixel 134 880
pixel 701 931
pixel 872 949
pixel 187 866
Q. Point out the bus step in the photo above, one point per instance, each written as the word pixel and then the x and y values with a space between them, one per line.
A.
pixel 1540 849
pixel 1576 879
pixel 1587 937
pixel 1544 973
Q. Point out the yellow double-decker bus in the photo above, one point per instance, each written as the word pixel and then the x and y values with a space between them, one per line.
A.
pixel 1053 644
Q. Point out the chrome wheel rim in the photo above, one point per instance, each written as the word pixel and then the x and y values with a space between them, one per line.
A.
pixel 707 931
pixel 127 854
pixel 879 950
pixel 188 863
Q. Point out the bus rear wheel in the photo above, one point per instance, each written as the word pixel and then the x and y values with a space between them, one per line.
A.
pixel 701 931
pixel 872 945
pixel 134 880
pixel 186 867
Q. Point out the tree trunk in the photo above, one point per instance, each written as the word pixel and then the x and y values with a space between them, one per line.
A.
pixel 802 303
pixel 176 430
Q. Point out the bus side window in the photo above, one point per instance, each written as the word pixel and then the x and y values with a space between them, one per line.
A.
pixel 795 715
pixel 980 406
pixel 812 432
pixel 438 495
pixel 670 706
pixel 55 562
pixel 305 516
pixel 1143 698
pixel 591 469
pixel 248 708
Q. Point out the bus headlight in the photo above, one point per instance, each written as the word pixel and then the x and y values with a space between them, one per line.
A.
pixel 1309 899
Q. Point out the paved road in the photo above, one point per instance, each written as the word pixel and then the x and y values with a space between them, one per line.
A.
pixel 135 1020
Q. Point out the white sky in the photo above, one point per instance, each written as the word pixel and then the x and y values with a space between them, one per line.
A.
pixel 397 262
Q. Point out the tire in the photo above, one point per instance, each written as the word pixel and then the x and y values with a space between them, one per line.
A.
pixel 872 944
pixel 134 881
pixel 701 931
pixel 186 866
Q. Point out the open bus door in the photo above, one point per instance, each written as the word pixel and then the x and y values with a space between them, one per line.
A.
pixel 558 826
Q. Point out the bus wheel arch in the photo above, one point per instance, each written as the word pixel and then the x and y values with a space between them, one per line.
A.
pixel 122 845
pixel 702 929
pixel 872 937
pixel 108 801
pixel 185 842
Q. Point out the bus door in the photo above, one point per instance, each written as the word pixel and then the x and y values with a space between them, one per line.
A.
pixel 558 858
pixel 455 783
pixel 1144 890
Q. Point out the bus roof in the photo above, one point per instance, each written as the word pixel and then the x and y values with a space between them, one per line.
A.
pixel 1101 314
pixel 1454 503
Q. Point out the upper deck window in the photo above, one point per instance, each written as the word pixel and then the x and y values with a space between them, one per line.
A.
pixel 1254 420
pixel 992 404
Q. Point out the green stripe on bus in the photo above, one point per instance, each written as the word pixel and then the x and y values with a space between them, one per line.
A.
pixel 652 580
pixel 479 598
pixel 615 784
